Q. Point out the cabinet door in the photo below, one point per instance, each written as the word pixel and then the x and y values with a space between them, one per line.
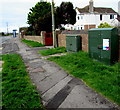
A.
pixel 95 44
pixel 106 50
pixel 70 43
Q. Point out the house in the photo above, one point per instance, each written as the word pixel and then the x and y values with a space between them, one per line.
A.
pixel 91 17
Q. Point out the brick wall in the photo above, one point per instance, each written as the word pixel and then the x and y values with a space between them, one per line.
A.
pixel 34 38
pixel 40 39
pixel 62 41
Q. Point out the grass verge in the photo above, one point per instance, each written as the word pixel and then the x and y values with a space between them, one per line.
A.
pixel 104 79
pixel 52 51
pixel 17 89
pixel 32 43
pixel 0 83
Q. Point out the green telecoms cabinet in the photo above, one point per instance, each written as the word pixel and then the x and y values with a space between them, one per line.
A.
pixel 73 43
pixel 103 44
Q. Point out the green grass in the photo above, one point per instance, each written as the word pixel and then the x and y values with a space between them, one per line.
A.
pixel 0 57
pixel 104 79
pixel 52 51
pixel 17 89
pixel 32 43
pixel 0 84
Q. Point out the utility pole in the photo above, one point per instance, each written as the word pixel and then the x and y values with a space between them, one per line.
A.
pixel 53 25
pixel 7 27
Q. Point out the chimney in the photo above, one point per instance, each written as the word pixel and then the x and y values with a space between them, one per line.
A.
pixel 119 7
pixel 91 6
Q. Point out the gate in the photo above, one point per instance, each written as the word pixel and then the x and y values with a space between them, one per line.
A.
pixel 48 39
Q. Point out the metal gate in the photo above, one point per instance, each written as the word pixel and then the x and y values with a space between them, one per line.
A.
pixel 48 39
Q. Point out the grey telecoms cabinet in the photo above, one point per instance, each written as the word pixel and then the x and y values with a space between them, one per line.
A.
pixel 103 44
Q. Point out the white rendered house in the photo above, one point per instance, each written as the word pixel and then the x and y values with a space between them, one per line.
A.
pixel 91 17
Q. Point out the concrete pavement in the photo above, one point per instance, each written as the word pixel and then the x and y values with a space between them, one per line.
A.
pixel 57 88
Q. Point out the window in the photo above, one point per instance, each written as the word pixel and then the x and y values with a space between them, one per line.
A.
pixel 78 18
pixel 111 16
pixel 81 17
pixel 101 17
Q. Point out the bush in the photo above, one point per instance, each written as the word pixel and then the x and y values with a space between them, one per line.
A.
pixel 104 25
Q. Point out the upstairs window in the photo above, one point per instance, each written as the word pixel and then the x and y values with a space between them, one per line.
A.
pixel 81 16
pixel 101 17
pixel 111 16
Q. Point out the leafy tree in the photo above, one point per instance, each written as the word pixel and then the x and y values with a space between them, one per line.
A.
pixel 39 10
pixel 104 25
pixel 44 23
pixel 37 15
pixel 40 18
pixel 65 14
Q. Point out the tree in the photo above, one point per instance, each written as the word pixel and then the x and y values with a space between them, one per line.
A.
pixel 37 15
pixel 65 14
pixel 40 18
pixel 104 25
pixel 44 23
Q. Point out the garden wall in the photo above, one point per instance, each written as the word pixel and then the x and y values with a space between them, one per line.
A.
pixel 40 39
pixel 62 40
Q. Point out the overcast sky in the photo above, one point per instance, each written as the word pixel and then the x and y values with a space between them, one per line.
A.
pixel 14 12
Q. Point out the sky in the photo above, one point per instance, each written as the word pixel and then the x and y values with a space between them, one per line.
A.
pixel 13 13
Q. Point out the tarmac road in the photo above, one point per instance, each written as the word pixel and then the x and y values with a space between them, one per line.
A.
pixel 8 45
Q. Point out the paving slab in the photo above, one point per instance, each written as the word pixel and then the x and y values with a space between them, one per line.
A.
pixel 82 98
pixel 51 81
pixel 47 96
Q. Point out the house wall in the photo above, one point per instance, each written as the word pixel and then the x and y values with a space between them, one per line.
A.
pixel 89 26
